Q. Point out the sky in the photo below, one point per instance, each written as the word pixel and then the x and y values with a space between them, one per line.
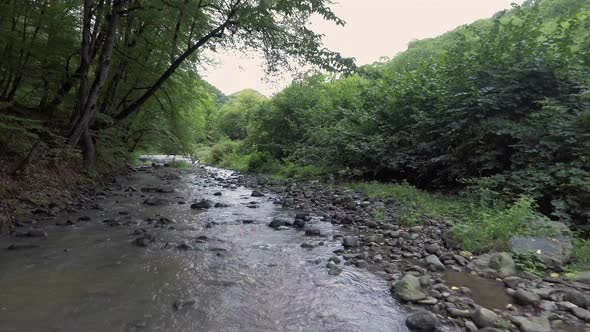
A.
pixel 374 29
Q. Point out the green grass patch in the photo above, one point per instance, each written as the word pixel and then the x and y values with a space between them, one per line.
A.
pixel 295 171
pixel 479 224
pixel 415 203
pixel 581 255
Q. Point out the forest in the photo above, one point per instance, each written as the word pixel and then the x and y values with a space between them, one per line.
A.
pixel 497 111
pixel 87 85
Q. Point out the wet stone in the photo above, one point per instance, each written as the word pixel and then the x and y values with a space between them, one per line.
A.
pixel 257 193
pixel 155 201
pixel 525 297
pixel 350 242
pixel 423 321
pixel 581 313
pixel 313 232
pixel 184 303
pixel 361 264
pixel 22 246
pixel 300 223
pixel 202 204
pixel 184 245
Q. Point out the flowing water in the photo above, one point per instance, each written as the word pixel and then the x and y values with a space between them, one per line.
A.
pixel 241 277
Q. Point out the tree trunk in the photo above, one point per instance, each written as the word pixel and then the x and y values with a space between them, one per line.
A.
pixel 89 151
pixel 88 97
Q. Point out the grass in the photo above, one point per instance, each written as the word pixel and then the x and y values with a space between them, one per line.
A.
pixel 416 204
pixel 480 226
pixel 581 255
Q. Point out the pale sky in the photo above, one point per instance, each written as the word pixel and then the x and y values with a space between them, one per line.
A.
pixel 374 29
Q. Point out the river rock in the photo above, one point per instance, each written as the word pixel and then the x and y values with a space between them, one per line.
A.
pixel 35 232
pixel 361 264
pixel 503 263
pixel 496 264
pixel 155 201
pixel 525 297
pixel 221 205
pixel 423 321
pixel 299 223
pixel 277 222
pixel 161 190
pixel 577 298
pixel 581 313
pixel 22 246
pixel 512 281
pixel 532 324
pixel 144 240
pixel 463 313
pixel 184 303
pixel 432 248
pixel 409 289
pixel 334 270
pixel 185 246
pixel 350 241
pixel 434 263
pixel 313 232
pixel 257 193
pixel 202 204
pixel 483 317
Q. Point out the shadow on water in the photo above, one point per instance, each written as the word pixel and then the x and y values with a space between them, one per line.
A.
pixel 242 277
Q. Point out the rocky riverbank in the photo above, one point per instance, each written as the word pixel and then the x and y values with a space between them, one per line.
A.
pixel 445 288
pixel 417 260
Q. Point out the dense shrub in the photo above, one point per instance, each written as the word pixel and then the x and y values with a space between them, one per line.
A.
pixel 500 105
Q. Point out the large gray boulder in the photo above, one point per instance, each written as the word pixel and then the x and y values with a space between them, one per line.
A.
pixel 409 289
pixel 554 250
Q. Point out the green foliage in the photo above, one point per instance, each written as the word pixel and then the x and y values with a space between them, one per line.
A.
pixel 414 204
pixel 499 106
pixel 233 118
pixel 493 229
pixel 581 255
pixel 529 262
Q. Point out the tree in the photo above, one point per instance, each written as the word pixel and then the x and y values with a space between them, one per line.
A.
pixel 275 27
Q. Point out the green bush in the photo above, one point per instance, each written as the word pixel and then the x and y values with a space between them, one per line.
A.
pixel 493 229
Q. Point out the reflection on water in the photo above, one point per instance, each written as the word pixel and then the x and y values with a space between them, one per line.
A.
pixel 243 277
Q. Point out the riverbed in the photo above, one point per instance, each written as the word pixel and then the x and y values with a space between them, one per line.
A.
pixel 214 269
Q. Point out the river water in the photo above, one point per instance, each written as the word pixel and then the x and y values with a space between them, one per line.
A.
pixel 241 277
